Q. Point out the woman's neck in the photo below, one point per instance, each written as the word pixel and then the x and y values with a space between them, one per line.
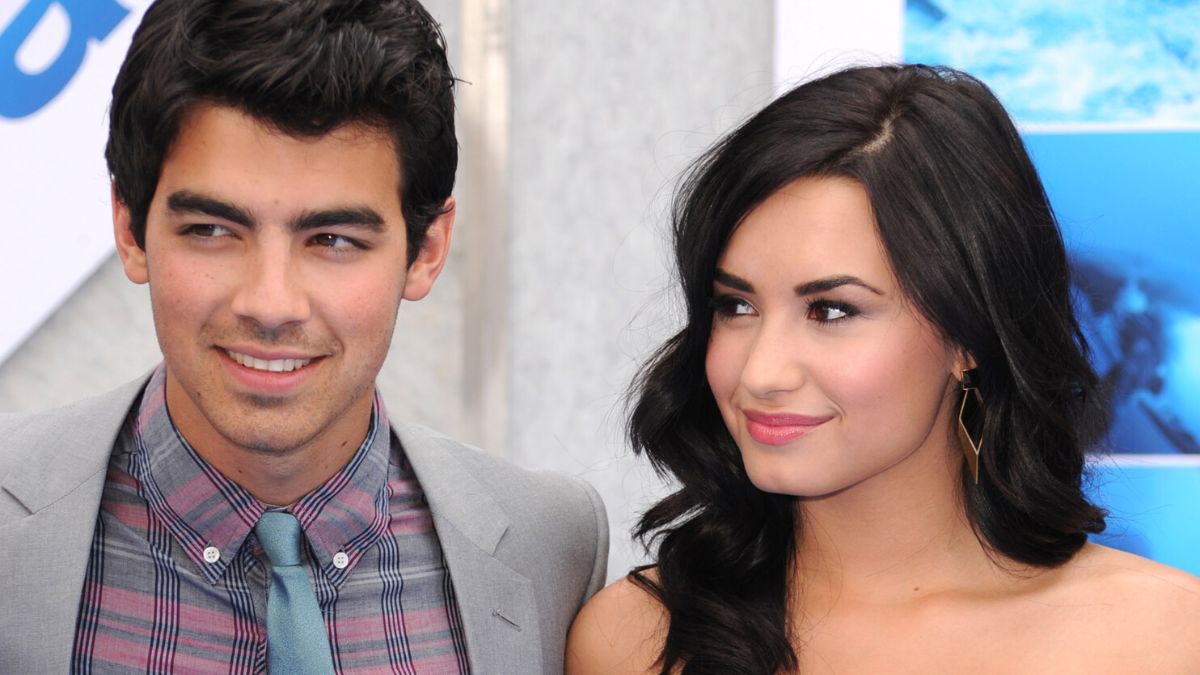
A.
pixel 899 535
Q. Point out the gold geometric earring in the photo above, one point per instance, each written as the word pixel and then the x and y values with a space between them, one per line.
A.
pixel 970 421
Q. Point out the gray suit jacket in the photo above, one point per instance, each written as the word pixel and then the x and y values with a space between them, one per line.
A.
pixel 525 549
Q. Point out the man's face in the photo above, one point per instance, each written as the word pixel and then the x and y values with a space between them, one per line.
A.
pixel 276 266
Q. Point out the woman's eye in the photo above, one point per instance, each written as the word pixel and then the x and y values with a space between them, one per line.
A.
pixel 825 311
pixel 728 306
pixel 336 242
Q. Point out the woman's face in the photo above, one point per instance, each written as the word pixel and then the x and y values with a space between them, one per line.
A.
pixel 824 374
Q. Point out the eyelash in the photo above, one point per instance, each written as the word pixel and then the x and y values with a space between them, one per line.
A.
pixel 725 309
pixel 326 236
pixel 725 306
pixel 207 230
pixel 848 311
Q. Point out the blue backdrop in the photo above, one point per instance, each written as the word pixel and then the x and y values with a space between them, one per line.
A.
pixel 1108 98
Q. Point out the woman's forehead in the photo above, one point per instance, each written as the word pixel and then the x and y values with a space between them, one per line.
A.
pixel 810 228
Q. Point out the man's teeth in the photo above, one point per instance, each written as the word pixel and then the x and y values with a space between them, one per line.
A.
pixel 274 365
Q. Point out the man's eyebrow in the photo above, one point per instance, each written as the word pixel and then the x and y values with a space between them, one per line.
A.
pixel 185 201
pixel 363 217
pixel 807 288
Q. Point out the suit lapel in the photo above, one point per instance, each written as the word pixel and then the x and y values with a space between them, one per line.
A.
pixel 57 484
pixel 497 604
pixel 45 555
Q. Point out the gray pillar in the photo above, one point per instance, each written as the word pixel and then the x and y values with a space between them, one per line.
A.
pixel 610 101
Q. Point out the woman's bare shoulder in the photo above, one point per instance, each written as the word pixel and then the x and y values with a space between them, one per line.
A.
pixel 1145 581
pixel 619 631
pixel 1146 607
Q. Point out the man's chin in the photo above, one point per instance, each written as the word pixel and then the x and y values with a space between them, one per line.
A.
pixel 274 433
pixel 266 401
pixel 278 444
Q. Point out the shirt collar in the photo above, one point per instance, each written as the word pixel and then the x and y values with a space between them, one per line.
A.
pixel 204 510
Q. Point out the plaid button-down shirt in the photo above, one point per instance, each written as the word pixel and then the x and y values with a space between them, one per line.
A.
pixel 177 581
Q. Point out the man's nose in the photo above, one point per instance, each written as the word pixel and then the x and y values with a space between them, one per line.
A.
pixel 271 291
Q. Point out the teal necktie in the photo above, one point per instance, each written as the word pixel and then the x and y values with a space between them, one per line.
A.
pixel 296 637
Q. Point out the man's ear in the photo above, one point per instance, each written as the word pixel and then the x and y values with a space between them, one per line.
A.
pixel 133 258
pixel 428 264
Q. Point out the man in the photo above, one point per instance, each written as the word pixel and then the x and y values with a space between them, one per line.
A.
pixel 282 172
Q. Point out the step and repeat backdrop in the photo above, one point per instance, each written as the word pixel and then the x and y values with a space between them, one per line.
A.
pixel 1107 96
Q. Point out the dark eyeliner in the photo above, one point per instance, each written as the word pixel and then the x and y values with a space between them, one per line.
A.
pixel 817 308
pixel 725 305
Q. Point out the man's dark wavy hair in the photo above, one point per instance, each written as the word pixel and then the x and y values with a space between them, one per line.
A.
pixel 975 246
pixel 303 67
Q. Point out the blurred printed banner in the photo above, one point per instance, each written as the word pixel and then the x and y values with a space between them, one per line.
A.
pixel 1107 95
pixel 58 59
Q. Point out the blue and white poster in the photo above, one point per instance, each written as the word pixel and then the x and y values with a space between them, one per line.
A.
pixel 58 59
pixel 1107 95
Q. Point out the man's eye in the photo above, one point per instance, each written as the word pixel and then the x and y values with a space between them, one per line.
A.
pixel 336 242
pixel 729 306
pixel 207 230
pixel 825 311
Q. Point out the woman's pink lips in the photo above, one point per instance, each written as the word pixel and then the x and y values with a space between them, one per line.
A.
pixel 780 428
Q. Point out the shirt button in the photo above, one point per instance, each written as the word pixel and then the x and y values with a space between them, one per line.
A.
pixel 341 560
pixel 212 554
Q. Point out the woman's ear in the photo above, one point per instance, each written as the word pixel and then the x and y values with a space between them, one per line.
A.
pixel 963 360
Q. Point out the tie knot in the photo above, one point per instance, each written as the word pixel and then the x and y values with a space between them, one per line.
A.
pixel 279 534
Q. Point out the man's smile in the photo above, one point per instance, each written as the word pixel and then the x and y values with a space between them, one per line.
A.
pixel 266 373
pixel 282 365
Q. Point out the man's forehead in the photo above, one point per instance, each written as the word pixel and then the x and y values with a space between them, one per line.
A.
pixel 226 155
pixel 363 131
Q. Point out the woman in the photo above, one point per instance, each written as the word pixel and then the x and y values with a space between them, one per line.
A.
pixel 876 413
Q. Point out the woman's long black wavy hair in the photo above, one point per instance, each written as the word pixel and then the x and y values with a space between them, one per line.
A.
pixel 975 246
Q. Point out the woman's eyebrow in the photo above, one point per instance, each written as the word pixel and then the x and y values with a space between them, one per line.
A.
pixel 735 282
pixel 807 288
pixel 830 283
